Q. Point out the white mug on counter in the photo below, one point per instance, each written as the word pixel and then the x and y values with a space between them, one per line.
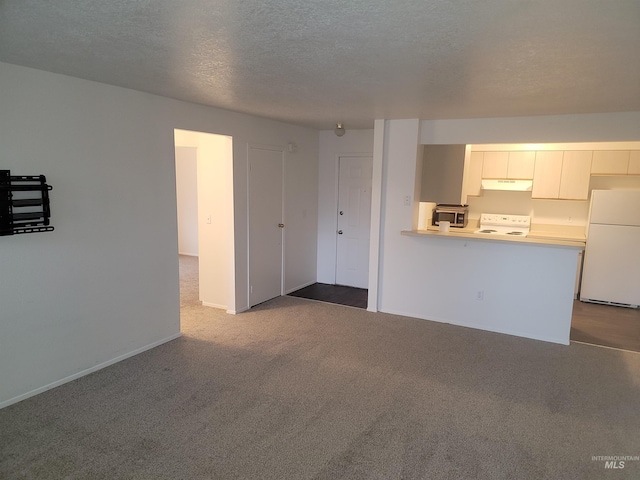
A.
pixel 444 225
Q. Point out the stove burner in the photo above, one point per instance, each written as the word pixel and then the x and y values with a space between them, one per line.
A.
pixel 487 231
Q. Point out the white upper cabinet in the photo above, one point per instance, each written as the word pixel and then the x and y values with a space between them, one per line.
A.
pixel 546 174
pixel 613 162
pixel 634 163
pixel 521 165
pixel 513 165
pixel 562 175
pixel 495 164
pixel 556 174
pixel 576 173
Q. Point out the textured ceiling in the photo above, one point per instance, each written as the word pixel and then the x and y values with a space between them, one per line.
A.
pixel 315 63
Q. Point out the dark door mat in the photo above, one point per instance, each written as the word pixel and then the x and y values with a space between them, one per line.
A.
pixel 338 294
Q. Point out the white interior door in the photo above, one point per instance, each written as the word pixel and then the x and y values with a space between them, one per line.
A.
pixel 265 224
pixel 354 220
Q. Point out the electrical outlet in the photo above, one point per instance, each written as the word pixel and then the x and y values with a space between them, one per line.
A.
pixel 407 200
pixel 480 295
pixel 209 218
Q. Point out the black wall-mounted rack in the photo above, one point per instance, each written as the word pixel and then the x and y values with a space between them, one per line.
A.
pixel 24 204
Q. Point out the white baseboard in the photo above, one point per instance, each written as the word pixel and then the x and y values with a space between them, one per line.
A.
pixel 82 373
pixel 187 254
pixel 486 328
pixel 214 305
pixel 240 310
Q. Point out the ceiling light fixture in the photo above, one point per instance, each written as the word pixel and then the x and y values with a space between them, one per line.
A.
pixel 339 131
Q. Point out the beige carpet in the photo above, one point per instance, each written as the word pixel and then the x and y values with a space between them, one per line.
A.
pixel 296 389
pixel 188 283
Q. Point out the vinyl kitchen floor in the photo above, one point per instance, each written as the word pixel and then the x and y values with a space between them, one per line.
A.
pixel 606 325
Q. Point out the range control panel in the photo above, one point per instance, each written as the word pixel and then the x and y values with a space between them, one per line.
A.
pixel 497 219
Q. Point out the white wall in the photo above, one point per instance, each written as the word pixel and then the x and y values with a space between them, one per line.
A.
pixel 354 142
pixel 104 284
pixel 187 197
pixel 604 127
pixel 400 159
pixel 527 290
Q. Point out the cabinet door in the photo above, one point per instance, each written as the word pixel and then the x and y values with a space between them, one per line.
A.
pixel 474 178
pixel 494 164
pixel 546 175
pixel 576 173
pixel 610 162
pixel 520 166
pixel 634 163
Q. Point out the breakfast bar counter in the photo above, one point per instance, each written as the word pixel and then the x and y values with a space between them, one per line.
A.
pixel 554 235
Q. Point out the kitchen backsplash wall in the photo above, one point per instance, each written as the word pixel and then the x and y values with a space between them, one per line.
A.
pixel 553 212
pixel 631 182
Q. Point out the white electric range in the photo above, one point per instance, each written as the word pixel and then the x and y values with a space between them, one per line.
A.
pixel 499 224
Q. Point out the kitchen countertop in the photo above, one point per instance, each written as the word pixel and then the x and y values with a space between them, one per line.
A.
pixel 540 234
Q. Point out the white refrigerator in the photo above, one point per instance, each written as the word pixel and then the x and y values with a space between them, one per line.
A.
pixel 611 272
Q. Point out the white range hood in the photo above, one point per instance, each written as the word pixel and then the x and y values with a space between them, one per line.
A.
pixel 508 185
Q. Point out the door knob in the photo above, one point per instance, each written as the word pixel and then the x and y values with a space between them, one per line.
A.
pixel 341 212
pixel 281 225
pixel 339 232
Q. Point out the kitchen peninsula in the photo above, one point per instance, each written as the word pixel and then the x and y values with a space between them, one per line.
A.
pixel 521 286
pixel 557 235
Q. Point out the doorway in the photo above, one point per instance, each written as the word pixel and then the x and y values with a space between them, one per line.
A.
pixel 266 223
pixel 208 233
pixel 353 221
